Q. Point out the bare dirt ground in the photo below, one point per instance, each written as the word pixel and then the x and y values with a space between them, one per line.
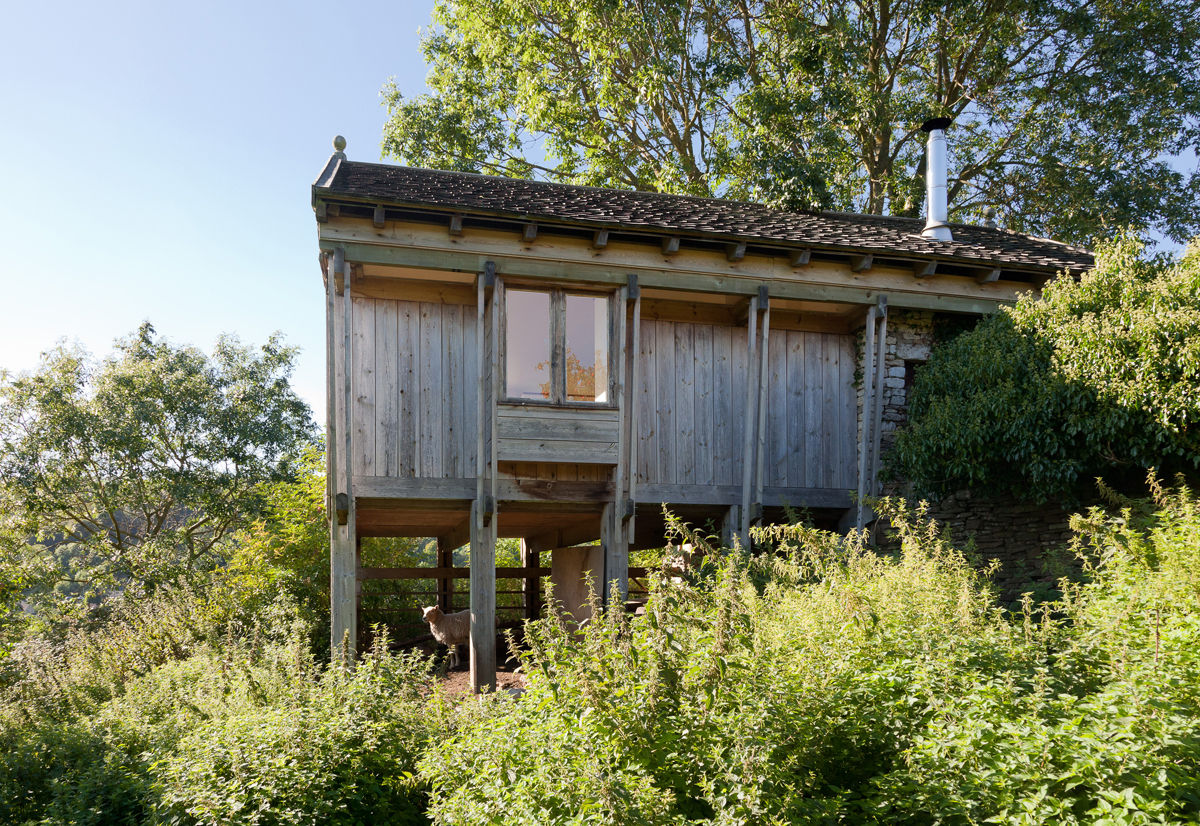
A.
pixel 458 683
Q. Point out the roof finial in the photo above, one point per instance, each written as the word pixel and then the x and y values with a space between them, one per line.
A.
pixel 989 217
pixel 339 144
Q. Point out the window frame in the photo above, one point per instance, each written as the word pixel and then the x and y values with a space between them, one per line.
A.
pixel 558 347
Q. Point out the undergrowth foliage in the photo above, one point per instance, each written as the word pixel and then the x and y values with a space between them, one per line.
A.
pixel 825 683
pixel 816 682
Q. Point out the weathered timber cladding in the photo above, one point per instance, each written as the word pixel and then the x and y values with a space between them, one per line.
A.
pixel 414 407
pixel 692 391
pixel 533 433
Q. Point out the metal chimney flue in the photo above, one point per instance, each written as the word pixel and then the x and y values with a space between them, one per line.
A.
pixel 937 206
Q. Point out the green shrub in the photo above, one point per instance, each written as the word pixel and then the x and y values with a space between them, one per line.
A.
pixel 1100 377
pixel 341 748
pixel 829 684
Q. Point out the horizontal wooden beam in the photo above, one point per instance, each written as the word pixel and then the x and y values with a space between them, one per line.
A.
pixel 448 573
pixel 559 271
pixel 563 537
pixel 424 494
pixel 716 495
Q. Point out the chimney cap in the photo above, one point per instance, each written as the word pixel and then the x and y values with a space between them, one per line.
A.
pixel 935 123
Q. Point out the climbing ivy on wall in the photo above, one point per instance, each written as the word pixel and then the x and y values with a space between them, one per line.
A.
pixel 1100 377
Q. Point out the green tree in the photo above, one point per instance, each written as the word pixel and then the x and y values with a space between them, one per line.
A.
pixel 1098 378
pixel 1066 111
pixel 135 471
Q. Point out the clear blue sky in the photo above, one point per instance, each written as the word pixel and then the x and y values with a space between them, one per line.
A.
pixel 157 163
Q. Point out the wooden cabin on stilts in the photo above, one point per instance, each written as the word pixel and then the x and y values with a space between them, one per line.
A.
pixel 511 358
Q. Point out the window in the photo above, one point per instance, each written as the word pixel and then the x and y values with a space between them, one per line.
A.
pixel 556 346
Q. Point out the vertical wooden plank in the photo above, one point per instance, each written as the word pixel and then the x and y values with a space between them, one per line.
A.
pixel 470 391
pixel 363 384
pixel 848 415
pixel 648 421
pixel 430 422
pixel 814 389
pixel 777 411
pixel 795 408
pixel 829 410
pixel 387 390
pixel 740 364
pixel 664 357
pixel 722 396
pixel 408 370
pixel 685 405
pixel 705 424
pixel 452 398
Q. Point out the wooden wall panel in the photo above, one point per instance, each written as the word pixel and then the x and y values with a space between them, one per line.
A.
pixel 363 414
pixel 705 423
pixel 726 439
pixel 414 389
pixel 685 405
pixel 414 407
pixel 692 394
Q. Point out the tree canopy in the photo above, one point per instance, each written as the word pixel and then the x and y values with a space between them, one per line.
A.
pixel 1098 378
pixel 1066 112
pixel 136 469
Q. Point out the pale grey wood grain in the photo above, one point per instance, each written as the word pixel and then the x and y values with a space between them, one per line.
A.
pixel 664 357
pixel 432 392
pixel 387 388
pixel 408 318
pixel 685 405
pixel 705 380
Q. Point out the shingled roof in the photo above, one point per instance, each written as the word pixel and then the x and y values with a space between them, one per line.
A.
pixel 683 215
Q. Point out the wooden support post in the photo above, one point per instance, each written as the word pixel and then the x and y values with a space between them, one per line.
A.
pixel 760 452
pixel 748 416
pixel 445 559
pixel 613 527
pixel 616 556
pixel 343 573
pixel 633 345
pixel 864 418
pixel 483 508
pixel 877 412
pixel 483 600
pixel 731 524
pixel 531 558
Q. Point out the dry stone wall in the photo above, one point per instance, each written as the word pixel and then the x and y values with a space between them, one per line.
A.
pixel 1028 540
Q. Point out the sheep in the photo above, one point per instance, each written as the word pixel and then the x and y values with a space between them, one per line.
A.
pixel 450 630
